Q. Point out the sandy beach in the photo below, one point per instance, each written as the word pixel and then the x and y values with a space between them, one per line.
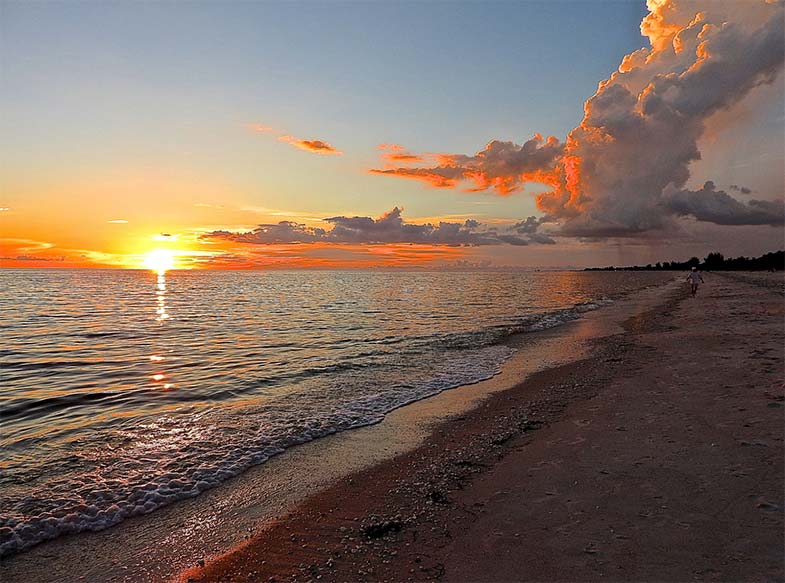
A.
pixel 658 458
pixel 392 291
pixel 644 442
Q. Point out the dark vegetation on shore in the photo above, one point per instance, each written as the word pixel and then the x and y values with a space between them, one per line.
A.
pixel 715 261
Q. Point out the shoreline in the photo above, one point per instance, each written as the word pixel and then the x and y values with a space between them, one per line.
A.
pixel 339 533
pixel 611 468
pixel 158 546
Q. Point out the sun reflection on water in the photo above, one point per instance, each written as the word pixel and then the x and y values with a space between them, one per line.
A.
pixel 159 377
pixel 160 294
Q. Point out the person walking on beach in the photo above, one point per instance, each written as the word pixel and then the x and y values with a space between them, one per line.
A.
pixel 694 278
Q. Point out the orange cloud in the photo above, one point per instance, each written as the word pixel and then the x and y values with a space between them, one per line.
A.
pixel 434 177
pixel 396 154
pixel 315 146
pixel 501 166
pixel 404 158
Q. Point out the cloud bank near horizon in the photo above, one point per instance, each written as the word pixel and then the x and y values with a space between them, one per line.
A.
pixel 717 206
pixel 623 171
pixel 389 228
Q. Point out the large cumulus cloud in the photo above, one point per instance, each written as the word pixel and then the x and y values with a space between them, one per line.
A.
pixel 624 169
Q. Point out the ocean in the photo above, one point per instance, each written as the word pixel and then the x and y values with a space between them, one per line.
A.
pixel 124 391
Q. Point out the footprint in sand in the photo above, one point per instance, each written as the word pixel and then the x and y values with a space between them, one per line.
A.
pixel 767 506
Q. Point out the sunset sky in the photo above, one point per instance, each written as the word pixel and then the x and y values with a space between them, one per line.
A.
pixel 404 134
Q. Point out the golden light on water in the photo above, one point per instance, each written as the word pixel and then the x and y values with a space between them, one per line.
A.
pixel 160 261
pixel 160 297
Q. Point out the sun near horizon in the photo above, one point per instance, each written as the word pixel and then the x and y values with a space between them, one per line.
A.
pixel 160 260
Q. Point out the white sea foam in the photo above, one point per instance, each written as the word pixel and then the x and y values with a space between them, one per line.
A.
pixel 289 424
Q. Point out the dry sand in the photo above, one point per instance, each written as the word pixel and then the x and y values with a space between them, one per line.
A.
pixel 659 457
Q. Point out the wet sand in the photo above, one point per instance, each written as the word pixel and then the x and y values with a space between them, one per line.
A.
pixel 658 457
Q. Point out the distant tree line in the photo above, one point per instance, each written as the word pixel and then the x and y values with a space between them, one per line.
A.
pixel 715 261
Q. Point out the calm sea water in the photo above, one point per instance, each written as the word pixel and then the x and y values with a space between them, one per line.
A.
pixel 122 391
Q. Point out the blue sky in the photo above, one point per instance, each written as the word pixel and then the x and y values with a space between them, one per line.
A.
pixel 89 84
pixel 140 110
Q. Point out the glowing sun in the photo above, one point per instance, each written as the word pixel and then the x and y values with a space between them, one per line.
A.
pixel 159 260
